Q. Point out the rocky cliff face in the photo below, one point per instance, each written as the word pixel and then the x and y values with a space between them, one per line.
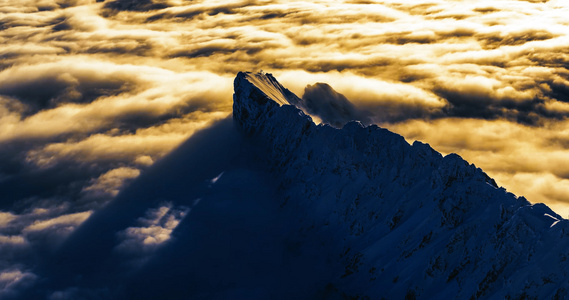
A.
pixel 389 219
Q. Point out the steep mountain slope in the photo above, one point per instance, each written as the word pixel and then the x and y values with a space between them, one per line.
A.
pixel 406 221
pixel 269 205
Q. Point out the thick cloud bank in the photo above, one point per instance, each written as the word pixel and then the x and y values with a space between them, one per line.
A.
pixel 92 93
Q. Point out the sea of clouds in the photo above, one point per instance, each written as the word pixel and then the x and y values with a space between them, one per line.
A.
pixel 92 93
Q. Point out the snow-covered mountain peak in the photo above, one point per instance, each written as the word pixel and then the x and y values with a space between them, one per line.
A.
pixel 320 101
pixel 267 85
pixel 398 220
pixel 277 207
pixel 255 95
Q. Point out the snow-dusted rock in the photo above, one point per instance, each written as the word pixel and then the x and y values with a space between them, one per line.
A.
pixel 393 220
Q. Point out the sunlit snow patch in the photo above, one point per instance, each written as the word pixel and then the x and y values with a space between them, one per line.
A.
pixel 216 178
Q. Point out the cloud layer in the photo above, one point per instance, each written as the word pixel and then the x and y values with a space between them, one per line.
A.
pixel 94 92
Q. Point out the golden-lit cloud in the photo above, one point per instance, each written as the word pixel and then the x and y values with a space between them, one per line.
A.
pixel 79 76
pixel 527 160
pixel 67 222
pixel 112 181
pixel 94 92
pixel 155 229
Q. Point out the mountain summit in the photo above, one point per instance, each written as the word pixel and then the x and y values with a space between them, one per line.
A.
pixel 268 205
pixel 396 220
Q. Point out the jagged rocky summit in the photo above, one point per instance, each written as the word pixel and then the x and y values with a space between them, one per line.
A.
pixel 380 218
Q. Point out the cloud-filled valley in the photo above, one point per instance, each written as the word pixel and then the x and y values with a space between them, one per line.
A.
pixel 93 93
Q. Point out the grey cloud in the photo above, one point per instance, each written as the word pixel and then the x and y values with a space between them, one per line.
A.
pixel 79 171
pixel 120 47
pixel 134 5
pixel 402 39
pixel 81 92
pixel 554 58
pixel 182 15
pixel 212 50
pixel 201 9
pixel 72 293
pixel 64 165
pixel 297 16
pixel 416 9
pixel 14 248
pixel 377 100
pixel 485 10
pixel 13 281
pixel 274 15
pixel 456 33
pixel 84 170
pixel 516 105
pixel 558 89
pixel 497 39
pixel 444 16
pixel 13 21
pixel 26 239
pixel 197 152
pixel 462 101
pixel 484 107
pixel 66 3
pixel 27 185
pixel 138 243
pixel 62 25
pixel 110 183
pixel 330 106
pixel 55 85
pixel 333 64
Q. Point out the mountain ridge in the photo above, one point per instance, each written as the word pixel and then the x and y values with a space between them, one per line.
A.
pixel 266 204
pixel 480 232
